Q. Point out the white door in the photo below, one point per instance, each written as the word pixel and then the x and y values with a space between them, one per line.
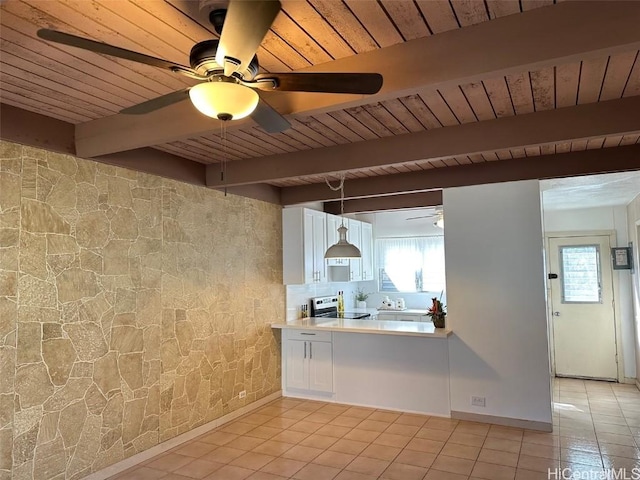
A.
pixel 297 364
pixel 582 307
pixel 320 366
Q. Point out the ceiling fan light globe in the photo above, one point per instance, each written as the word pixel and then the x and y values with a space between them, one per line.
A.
pixel 224 99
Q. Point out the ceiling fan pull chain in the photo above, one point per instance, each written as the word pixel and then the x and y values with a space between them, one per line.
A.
pixel 223 163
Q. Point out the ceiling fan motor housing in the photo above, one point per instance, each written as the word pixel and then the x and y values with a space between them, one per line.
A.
pixel 216 17
pixel 203 60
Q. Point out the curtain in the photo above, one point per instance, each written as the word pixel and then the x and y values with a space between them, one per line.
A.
pixel 414 264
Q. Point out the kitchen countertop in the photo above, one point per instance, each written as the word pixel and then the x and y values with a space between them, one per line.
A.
pixel 417 329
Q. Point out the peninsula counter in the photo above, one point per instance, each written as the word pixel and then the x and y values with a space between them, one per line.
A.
pixel 383 364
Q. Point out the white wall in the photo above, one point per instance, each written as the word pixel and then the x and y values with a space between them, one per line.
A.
pixel 605 219
pixel 633 218
pixel 496 301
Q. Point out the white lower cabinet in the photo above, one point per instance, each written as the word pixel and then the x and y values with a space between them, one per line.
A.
pixel 308 361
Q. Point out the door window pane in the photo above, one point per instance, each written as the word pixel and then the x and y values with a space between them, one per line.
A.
pixel 580 266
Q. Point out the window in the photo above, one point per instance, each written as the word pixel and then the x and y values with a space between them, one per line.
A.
pixel 580 267
pixel 413 264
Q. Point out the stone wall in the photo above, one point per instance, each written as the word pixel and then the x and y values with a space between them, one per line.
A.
pixel 132 309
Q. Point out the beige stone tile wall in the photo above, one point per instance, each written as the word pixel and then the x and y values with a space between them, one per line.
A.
pixel 132 309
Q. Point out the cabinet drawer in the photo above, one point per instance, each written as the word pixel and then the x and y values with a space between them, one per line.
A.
pixel 312 335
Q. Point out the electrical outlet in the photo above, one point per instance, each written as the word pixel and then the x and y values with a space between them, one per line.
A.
pixel 478 401
pixel 243 394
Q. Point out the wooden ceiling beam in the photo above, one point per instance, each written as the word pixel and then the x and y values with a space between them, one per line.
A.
pixel 431 198
pixel 614 117
pixel 29 128
pixel 605 160
pixel 36 130
pixel 554 35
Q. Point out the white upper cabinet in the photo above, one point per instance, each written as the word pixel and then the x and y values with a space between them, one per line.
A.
pixel 306 235
pixel 304 243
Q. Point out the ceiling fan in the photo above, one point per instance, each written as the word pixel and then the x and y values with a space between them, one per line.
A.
pixel 228 68
pixel 438 215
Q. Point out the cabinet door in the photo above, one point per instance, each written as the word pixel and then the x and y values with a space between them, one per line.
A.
pixel 320 245
pixel 320 367
pixel 354 235
pixel 366 248
pixel 387 316
pixel 297 364
pixel 314 246
pixel 310 272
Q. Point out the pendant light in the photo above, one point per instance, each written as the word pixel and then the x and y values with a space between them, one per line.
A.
pixel 342 249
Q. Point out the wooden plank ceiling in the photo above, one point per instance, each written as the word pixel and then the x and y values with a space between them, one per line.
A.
pixel 78 87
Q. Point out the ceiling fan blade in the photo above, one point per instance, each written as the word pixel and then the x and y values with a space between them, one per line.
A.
pixel 422 216
pixel 157 103
pixel 245 25
pixel 269 119
pixel 105 48
pixel 358 83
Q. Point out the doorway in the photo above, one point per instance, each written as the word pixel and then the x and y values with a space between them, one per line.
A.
pixel 582 307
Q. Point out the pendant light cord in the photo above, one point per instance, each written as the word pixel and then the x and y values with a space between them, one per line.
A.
pixel 335 189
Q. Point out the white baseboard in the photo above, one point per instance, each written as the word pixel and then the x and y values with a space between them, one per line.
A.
pixel 127 463
pixel 504 421
pixel 330 399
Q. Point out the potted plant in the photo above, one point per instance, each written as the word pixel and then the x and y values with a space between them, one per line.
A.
pixel 437 312
pixel 361 298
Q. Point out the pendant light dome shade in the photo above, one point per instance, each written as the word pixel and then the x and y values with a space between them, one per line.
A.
pixel 224 100
pixel 343 249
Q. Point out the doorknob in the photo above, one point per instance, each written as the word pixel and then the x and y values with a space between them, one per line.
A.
pixel 556 314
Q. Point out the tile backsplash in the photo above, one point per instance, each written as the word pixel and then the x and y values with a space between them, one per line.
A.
pixel 298 295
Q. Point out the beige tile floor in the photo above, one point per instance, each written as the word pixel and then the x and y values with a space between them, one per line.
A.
pixel 596 427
